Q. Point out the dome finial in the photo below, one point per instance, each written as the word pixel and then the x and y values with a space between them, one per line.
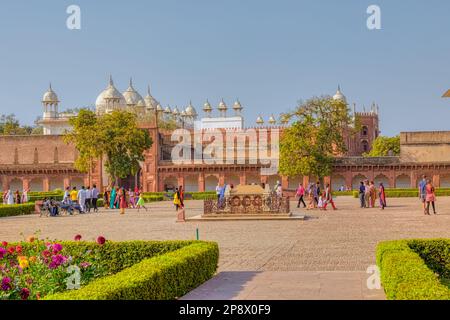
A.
pixel 50 86
pixel 148 89
pixel 131 82
pixel 111 82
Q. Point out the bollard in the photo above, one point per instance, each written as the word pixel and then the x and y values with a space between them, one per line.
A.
pixel 196 232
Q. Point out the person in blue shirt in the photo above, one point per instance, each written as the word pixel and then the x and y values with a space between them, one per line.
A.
pixel 422 191
pixel 362 191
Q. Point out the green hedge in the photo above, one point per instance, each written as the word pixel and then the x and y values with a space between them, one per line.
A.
pixel 166 276
pixel 405 275
pixel 16 209
pixel 152 198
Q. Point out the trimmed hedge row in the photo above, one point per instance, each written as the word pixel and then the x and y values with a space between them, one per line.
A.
pixel 16 209
pixel 405 275
pixel 166 276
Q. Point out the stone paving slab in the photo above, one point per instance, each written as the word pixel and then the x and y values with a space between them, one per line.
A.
pixel 289 285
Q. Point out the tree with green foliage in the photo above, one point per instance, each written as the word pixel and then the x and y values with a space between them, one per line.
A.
pixel 385 146
pixel 309 145
pixel 9 125
pixel 114 137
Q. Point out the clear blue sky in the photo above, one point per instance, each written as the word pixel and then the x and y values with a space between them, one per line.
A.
pixel 269 54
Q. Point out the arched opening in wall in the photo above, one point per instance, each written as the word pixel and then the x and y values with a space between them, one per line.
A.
pixel 365 145
pixel 36 185
pixel 232 179
pixel 337 182
pixel 381 178
pixel 253 178
pixel 356 181
pixel 211 183
pixel 170 183
pixel 56 183
pixel 191 183
pixel 445 181
pixel 403 182
pixel 364 131
pixel 294 182
pixel 272 181
pixel 76 182
pixel 16 184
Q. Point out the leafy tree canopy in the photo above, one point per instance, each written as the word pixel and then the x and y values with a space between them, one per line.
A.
pixel 9 125
pixel 308 146
pixel 385 146
pixel 114 137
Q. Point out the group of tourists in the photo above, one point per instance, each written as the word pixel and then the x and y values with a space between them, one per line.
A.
pixel 121 198
pixel 317 198
pixel 10 197
pixel 368 194
pixel 427 195
pixel 86 198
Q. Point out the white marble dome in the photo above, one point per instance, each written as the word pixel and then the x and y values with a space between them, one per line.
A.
pixel 50 96
pixel 150 102
pixel 132 97
pixel 339 95
pixel 110 99
pixel 190 110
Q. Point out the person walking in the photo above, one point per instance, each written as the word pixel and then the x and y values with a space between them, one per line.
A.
pixel 382 195
pixel 106 198
pixel 300 194
pixel 430 197
pixel 82 199
pixel 140 202
pixel 123 200
pixel 176 199
pixel 25 195
pixel 94 194
pixel 88 202
pixel 367 194
pixel 66 196
pixel 17 197
pixel 362 193
pixel 328 198
pixel 112 202
pixel 373 194
pixel 181 194
pixel 422 192
pixel 311 200
pixel 9 197
pixel 218 191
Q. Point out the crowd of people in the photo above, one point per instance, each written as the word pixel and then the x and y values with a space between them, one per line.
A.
pixel 10 197
pixel 317 198
pixel 368 194
pixel 121 198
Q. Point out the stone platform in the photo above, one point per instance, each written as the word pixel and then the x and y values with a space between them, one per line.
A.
pixel 235 217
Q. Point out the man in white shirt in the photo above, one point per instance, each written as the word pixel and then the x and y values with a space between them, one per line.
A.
pixel 88 199
pixel 82 199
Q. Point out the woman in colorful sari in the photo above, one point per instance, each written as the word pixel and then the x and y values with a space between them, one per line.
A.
pixel 176 199
pixel 123 200
pixel 373 194
pixel 112 199
pixel 382 195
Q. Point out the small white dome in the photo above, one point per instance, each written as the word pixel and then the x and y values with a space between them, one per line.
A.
pixel 50 96
pixel 159 108
pixel 222 106
pixel 131 96
pixel 259 120
pixel 167 110
pixel 207 106
pixel 272 120
pixel 190 110
pixel 237 105
pixel 175 111
pixel 141 104
pixel 150 102
pixel 339 95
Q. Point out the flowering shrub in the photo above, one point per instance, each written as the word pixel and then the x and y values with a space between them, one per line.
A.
pixel 32 269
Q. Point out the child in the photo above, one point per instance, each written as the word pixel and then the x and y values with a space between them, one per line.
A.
pixel 321 202
pixel 140 203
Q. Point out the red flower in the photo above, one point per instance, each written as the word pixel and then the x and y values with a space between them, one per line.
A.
pixel 11 250
pixel 19 249
pixel 4 243
pixel 46 253
pixel 101 240
pixel 25 293
pixel 77 237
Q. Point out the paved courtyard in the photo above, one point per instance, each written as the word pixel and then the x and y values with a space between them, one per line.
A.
pixel 339 241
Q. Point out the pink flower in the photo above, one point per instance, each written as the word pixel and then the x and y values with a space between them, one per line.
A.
pixel 25 293
pixel 6 284
pixel 78 237
pixel 57 260
pixel 57 247
pixel 11 250
pixel 3 252
pixel 84 265
pixel 19 249
pixel 101 240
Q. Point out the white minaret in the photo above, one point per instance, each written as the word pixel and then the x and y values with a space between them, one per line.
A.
pixel 50 102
